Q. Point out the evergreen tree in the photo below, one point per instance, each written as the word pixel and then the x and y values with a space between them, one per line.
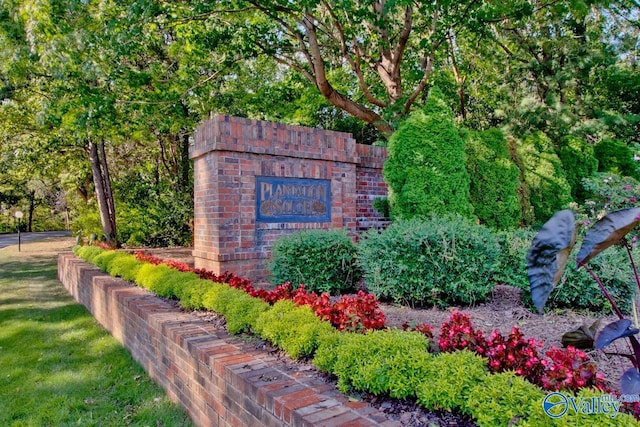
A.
pixel 494 180
pixel 549 190
pixel 425 168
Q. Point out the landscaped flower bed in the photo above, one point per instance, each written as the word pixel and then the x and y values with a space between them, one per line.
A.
pixel 389 362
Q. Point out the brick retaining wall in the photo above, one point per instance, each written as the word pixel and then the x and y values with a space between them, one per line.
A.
pixel 219 379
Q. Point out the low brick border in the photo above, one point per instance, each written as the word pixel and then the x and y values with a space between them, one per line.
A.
pixel 218 379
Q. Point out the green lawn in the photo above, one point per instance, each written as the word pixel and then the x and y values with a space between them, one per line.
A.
pixel 57 365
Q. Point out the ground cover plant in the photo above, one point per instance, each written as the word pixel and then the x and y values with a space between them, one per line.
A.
pixel 59 367
pixel 400 372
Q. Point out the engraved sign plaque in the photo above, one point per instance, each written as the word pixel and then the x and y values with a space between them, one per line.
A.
pixel 292 199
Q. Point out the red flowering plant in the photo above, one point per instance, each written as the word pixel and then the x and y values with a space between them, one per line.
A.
pixel 515 353
pixel 459 334
pixel 353 313
pixel 567 369
pixel 357 313
pixel 570 369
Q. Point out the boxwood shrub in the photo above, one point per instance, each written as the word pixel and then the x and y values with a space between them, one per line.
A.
pixel 163 280
pixel 88 253
pixel 125 266
pixel 323 260
pixel 514 246
pixel 502 399
pixel 436 261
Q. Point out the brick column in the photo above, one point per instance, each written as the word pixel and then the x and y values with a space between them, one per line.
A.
pixel 370 185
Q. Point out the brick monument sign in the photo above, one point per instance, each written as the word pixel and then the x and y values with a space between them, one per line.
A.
pixel 255 181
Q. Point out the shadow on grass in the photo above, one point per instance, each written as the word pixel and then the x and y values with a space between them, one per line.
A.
pixel 33 267
pixel 59 367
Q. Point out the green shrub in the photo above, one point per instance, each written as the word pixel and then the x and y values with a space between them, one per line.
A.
pixel 242 312
pixel 381 205
pixel 103 260
pixel 87 253
pixel 163 280
pixel 578 290
pixel 579 162
pixel 436 261
pixel 324 260
pixel 191 295
pixel 449 380
pixel 426 167
pixel 296 330
pixel 86 219
pixel 609 192
pixel 390 362
pixel 495 180
pixel 124 265
pixel 326 354
pixel 135 239
pixel 501 400
pixel 217 298
pixel 151 276
pixel 616 157
pixel 152 213
pixel 549 190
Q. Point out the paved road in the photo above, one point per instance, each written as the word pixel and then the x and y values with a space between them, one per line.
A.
pixel 12 239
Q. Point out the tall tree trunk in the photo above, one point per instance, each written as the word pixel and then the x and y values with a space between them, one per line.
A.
pixel 184 163
pixel 107 187
pixel 100 177
pixel 456 72
pixel 32 208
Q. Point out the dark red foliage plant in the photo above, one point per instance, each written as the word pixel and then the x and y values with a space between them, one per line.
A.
pixel 459 334
pixel 357 313
pixel 570 369
pixel 563 369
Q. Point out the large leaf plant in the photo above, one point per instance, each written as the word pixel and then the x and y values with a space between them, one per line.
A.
pixel 547 259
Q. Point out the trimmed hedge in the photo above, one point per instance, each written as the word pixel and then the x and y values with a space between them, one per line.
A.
pixel 426 165
pixel 549 190
pixel 579 162
pixel 295 329
pixel 389 362
pixel 439 261
pixel 324 260
pixel 451 378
